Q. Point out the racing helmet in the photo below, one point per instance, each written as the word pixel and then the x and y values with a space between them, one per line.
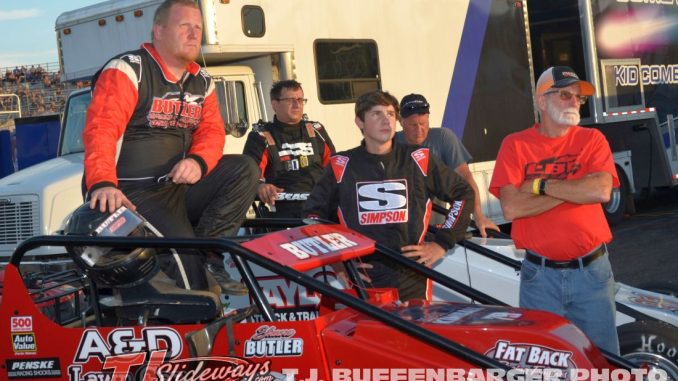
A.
pixel 115 267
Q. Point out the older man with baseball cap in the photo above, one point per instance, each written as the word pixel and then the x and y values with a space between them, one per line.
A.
pixel 551 180
pixel 414 117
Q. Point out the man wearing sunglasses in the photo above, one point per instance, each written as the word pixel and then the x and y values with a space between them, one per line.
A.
pixel 414 117
pixel 551 180
pixel 290 151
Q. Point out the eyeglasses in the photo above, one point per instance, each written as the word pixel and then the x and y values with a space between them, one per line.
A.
pixel 567 95
pixel 293 100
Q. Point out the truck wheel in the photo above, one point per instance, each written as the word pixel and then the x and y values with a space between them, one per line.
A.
pixel 615 208
pixel 651 343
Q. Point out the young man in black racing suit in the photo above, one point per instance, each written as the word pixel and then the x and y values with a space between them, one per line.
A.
pixel 290 152
pixel 154 141
pixel 384 190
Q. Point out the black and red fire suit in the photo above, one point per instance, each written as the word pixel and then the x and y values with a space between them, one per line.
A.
pixel 143 120
pixel 389 199
pixel 291 157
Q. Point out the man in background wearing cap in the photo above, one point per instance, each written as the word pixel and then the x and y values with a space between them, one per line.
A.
pixel 414 117
pixel 551 180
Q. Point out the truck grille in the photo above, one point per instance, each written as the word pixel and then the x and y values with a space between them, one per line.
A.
pixel 19 218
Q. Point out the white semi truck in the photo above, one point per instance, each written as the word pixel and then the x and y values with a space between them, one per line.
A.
pixel 337 50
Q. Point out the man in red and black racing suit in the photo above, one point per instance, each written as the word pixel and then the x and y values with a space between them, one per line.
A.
pixel 291 152
pixel 384 190
pixel 154 141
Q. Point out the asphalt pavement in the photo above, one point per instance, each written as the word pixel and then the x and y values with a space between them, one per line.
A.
pixel 644 247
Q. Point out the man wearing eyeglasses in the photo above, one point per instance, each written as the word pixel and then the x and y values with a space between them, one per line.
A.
pixel 290 151
pixel 414 117
pixel 551 180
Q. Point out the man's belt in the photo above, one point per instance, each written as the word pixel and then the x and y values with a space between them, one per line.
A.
pixel 573 264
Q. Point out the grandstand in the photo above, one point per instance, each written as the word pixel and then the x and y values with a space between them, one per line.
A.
pixel 33 90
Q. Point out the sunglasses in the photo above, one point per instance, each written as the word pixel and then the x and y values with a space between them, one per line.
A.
pixel 567 95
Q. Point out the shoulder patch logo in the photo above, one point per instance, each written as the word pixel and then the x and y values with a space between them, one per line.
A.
pixel 420 157
pixel 339 166
pixel 132 58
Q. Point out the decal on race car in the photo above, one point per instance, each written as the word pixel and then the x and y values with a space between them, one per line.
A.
pixel 33 368
pixel 24 343
pixel 527 355
pixel 123 366
pixel 124 340
pixel 21 324
pixel 314 246
pixel 652 301
pixel 307 247
pixel 455 316
pixel 289 314
pixel 269 341
pixel 442 313
pixel 290 300
pixel 503 315
pixel 284 293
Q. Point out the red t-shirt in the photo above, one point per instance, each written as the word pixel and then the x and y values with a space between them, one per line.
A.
pixel 569 230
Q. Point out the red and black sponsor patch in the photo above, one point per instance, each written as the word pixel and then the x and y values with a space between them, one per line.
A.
pixel 170 111
pixel 383 202
pixel 420 157
pixel 339 166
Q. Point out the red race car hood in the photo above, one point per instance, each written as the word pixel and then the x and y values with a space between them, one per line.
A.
pixel 516 337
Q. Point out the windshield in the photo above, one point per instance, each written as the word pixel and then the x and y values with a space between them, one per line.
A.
pixel 74 122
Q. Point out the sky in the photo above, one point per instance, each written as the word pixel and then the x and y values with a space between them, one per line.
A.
pixel 27 27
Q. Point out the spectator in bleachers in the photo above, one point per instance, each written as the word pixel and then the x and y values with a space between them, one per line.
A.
pixel 38 88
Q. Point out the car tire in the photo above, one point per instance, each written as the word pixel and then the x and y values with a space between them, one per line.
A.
pixel 651 343
pixel 615 208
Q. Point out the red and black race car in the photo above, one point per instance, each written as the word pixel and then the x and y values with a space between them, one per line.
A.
pixel 73 326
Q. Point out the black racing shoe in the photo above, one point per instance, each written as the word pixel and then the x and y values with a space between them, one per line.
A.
pixel 229 286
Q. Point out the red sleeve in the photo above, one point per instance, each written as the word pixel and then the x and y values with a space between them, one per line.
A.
pixel 508 169
pixel 600 159
pixel 209 137
pixel 113 101
pixel 263 163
